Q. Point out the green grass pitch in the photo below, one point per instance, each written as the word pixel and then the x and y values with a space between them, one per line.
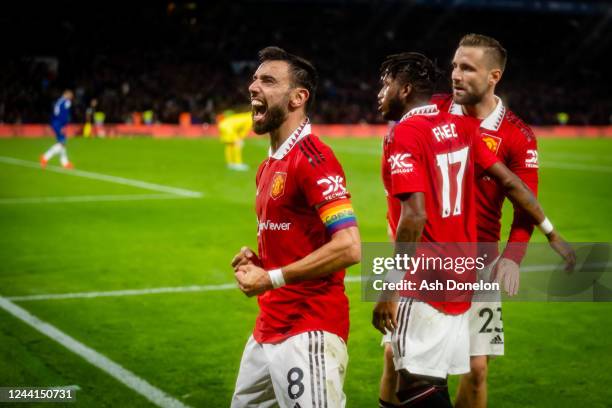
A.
pixel 189 344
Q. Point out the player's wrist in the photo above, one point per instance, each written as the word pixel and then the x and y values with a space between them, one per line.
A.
pixel 546 227
pixel 277 278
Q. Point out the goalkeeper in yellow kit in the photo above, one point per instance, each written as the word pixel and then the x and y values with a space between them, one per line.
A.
pixel 233 128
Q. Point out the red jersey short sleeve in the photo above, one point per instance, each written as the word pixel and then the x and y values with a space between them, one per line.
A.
pixel 404 161
pixel 323 182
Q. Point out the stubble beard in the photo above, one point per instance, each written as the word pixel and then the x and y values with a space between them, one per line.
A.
pixel 275 117
pixel 395 111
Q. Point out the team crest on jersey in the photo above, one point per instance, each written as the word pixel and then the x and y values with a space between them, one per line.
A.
pixel 492 142
pixel 278 184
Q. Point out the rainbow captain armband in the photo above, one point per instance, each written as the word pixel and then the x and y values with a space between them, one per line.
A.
pixel 337 215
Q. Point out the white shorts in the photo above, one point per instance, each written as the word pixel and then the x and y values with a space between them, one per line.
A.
pixel 306 370
pixel 486 326
pixel 429 342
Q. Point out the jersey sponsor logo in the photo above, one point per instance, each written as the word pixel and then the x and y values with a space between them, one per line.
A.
pixel 492 142
pixel 278 184
pixel 399 165
pixel 531 160
pixel 268 225
pixel 333 186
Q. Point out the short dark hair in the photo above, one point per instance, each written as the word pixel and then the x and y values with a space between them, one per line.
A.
pixel 412 68
pixel 492 47
pixel 303 73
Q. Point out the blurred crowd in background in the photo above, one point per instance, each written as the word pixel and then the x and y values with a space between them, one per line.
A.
pixel 196 58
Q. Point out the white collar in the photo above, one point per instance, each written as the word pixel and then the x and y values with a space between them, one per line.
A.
pixel 427 110
pixel 298 134
pixel 491 122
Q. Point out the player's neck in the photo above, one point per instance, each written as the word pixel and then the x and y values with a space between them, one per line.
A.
pixel 282 133
pixel 414 104
pixel 483 108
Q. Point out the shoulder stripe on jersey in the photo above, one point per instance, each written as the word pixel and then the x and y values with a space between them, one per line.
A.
pixel 306 154
pixel 314 147
pixel 523 127
pixel 311 152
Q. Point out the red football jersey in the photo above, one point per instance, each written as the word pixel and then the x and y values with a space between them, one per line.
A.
pixel 301 201
pixel 435 153
pixel 515 145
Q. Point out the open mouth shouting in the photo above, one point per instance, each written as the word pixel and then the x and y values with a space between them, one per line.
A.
pixel 258 109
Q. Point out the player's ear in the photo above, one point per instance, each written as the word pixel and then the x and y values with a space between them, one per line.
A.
pixel 405 92
pixel 298 98
pixel 495 76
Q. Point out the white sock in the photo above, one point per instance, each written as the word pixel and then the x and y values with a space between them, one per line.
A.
pixel 63 156
pixel 53 150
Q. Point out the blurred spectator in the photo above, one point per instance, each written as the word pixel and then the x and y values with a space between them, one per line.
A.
pixel 164 60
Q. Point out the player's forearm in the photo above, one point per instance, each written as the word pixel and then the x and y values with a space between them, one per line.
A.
pixel 412 219
pixel 517 191
pixel 342 251
pixel 409 231
pixel 522 224
pixel 522 197
pixel 410 228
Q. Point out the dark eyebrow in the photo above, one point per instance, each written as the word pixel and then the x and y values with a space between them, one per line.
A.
pixel 265 77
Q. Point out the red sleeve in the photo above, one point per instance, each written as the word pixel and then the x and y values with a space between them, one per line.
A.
pixel 323 183
pixel 522 159
pixel 405 160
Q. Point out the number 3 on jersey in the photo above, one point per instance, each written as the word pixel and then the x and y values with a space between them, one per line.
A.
pixel 444 162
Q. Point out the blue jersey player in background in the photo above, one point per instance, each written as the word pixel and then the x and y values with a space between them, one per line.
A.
pixel 59 119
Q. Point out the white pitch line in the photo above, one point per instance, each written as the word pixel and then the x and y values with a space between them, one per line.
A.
pixel 126 292
pixel 131 380
pixel 90 198
pixel 104 177
pixel 224 286
pixel 576 166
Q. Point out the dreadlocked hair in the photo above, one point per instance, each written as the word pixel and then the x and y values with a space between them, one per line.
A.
pixel 412 68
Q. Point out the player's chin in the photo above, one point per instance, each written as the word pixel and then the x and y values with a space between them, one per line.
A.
pixel 260 126
pixel 460 96
pixel 387 115
pixel 383 113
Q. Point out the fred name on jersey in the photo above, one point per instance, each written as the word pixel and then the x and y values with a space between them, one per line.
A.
pixel 445 132
pixel 400 162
